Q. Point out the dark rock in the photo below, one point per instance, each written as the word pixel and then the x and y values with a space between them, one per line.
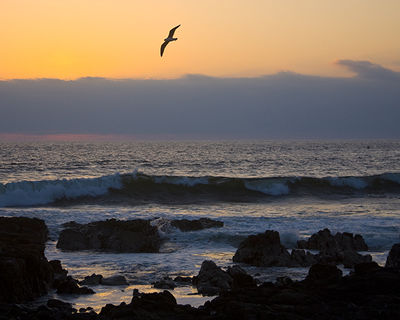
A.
pixel 116 280
pixel 318 240
pixel 151 306
pixel 302 244
pixel 25 273
pixel 264 250
pixel 283 280
pixel 345 241
pixel 93 280
pixel 111 235
pixel 59 304
pixel 303 258
pixel 361 269
pixel 71 287
pixel 194 225
pixel 183 279
pixel 60 274
pixel 240 277
pixel 393 259
pixel 349 242
pixel 351 258
pixel 97 279
pixel 212 279
pixel 325 273
pixel 165 283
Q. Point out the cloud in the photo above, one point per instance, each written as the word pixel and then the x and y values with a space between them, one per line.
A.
pixel 280 106
pixel 369 70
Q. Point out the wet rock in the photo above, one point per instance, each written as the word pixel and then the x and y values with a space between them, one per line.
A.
pixel 303 258
pixel 111 235
pixel 266 250
pixel 362 269
pixel 194 225
pixel 212 279
pixel 60 274
pixel 325 273
pixel 240 277
pixel 98 279
pixel 348 242
pixel 165 283
pixel 25 273
pixel 351 258
pixel 155 305
pixel 183 279
pixel 116 280
pixel 59 304
pixel 263 250
pixel 71 287
pixel 393 259
pixel 318 240
pixel 344 241
pixel 93 280
pixel 341 248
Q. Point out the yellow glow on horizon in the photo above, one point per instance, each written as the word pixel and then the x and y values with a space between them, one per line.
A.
pixel 121 39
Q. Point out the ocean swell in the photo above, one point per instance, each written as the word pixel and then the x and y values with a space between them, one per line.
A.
pixel 139 188
pixel 28 193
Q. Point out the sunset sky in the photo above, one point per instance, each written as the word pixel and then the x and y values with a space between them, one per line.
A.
pixel 119 41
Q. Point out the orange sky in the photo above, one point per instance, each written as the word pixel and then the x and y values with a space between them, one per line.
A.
pixel 121 38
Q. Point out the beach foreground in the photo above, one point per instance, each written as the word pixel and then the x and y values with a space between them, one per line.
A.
pixel 369 292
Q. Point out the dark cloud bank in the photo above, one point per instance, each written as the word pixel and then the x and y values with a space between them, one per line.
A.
pixel 281 106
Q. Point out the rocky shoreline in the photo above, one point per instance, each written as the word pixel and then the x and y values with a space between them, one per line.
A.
pixel 368 292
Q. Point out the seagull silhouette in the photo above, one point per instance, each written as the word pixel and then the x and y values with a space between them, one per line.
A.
pixel 169 39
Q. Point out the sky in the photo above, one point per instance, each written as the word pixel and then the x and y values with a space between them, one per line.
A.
pixel 256 69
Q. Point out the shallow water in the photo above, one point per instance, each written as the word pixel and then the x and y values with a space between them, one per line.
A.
pixel 296 188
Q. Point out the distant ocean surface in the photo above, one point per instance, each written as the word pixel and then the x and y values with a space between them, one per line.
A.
pixel 294 187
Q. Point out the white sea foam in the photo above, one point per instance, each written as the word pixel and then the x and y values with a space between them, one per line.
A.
pixel 375 217
pixel 184 181
pixel 270 187
pixel 354 182
pixel 26 193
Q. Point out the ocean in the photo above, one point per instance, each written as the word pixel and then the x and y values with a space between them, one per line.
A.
pixel 294 187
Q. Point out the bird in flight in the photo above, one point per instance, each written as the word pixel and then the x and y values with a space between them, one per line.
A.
pixel 169 39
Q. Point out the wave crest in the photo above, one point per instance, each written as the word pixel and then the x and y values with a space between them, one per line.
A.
pixel 139 188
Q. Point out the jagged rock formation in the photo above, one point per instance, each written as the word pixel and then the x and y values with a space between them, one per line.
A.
pixel 393 259
pixel 194 225
pixel 111 235
pixel 266 250
pixel 25 273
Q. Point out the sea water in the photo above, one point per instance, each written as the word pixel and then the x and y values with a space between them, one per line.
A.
pixel 294 187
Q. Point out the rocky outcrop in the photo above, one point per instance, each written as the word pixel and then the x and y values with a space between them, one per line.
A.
pixel 263 250
pixel 211 279
pixel 111 235
pixel 132 236
pixel 194 225
pixel 370 292
pixel 161 305
pixel 324 294
pixel 25 273
pixel 393 259
pixel 98 279
pixel 266 250
pixel 345 241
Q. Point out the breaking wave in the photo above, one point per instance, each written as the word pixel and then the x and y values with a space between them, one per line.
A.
pixel 135 188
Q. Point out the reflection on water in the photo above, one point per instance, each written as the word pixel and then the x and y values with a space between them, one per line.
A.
pixel 116 295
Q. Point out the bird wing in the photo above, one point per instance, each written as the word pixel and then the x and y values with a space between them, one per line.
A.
pixel 171 32
pixel 163 47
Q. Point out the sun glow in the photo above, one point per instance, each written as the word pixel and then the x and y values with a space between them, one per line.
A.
pixel 104 38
